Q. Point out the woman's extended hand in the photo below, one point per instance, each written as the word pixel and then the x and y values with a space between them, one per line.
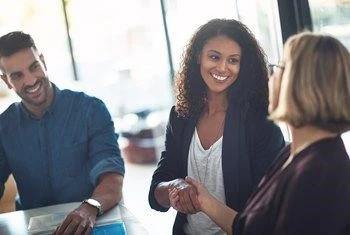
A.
pixel 183 197
pixel 203 194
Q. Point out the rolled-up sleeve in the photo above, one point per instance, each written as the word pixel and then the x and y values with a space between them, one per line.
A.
pixel 104 152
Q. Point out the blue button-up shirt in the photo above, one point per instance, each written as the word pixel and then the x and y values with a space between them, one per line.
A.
pixel 59 157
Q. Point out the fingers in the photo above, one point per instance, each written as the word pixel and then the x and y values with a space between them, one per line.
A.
pixel 187 196
pixel 88 230
pixel 80 221
pixel 202 192
pixel 194 200
pixel 67 228
pixel 192 181
pixel 74 228
pixel 81 228
pixel 184 199
pixel 174 198
pixel 71 228
pixel 63 227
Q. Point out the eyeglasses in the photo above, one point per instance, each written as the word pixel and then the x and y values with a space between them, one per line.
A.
pixel 272 68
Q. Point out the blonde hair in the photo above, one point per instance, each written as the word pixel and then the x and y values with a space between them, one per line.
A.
pixel 315 86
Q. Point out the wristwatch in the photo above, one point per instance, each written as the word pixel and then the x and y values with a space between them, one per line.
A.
pixel 94 203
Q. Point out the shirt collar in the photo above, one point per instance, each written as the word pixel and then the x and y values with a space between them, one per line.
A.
pixel 55 99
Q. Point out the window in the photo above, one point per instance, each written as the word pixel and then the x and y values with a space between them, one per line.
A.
pixel 119 49
pixel 333 17
pixel 120 53
pixel 262 18
pixel 44 20
pixel 185 16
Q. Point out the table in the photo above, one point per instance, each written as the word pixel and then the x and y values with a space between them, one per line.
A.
pixel 17 222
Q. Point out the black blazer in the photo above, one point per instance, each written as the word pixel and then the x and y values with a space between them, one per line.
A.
pixel 250 144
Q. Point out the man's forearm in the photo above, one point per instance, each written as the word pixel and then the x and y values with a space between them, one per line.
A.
pixel 108 190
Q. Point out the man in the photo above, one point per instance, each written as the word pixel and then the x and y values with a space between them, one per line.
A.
pixel 59 145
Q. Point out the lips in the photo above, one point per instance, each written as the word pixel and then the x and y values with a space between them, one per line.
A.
pixel 220 78
pixel 33 89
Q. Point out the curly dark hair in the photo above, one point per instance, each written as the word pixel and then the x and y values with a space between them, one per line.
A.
pixel 250 89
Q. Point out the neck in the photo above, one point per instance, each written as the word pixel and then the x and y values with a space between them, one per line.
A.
pixel 216 103
pixel 39 110
pixel 304 136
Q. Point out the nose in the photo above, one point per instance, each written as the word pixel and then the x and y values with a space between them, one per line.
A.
pixel 29 78
pixel 222 65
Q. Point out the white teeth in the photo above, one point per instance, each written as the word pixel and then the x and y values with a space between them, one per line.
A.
pixel 33 89
pixel 220 78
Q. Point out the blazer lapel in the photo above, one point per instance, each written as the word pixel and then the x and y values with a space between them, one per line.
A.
pixel 186 141
pixel 235 159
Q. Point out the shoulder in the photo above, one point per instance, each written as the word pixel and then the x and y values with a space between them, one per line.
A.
pixel 323 163
pixel 327 156
pixel 175 120
pixel 66 93
pixel 176 124
pixel 12 109
pixel 258 122
pixel 81 98
pixel 9 114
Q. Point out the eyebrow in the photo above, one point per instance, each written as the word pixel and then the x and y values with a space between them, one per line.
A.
pixel 33 64
pixel 221 53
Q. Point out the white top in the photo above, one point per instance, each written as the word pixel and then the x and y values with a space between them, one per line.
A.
pixel 205 166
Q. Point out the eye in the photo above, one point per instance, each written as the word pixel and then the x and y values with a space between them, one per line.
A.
pixel 214 57
pixel 15 76
pixel 233 60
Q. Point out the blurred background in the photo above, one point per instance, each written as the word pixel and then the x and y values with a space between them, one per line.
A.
pixel 127 52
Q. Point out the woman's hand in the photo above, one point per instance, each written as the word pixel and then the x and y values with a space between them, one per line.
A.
pixel 183 197
pixel 203 194
pixel 221 214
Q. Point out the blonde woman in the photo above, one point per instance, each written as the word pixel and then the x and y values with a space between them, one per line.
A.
pixel 307 191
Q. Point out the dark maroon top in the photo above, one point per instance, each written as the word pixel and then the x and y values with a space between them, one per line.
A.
pixel 310 196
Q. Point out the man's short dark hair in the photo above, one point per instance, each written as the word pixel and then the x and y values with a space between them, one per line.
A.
pixel 15 41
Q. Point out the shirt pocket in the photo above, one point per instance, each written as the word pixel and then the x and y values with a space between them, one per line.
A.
pixel 73 157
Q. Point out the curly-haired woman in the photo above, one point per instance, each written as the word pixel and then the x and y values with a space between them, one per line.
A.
pixel 217 132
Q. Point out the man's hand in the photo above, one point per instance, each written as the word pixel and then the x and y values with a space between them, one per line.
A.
pixel 79 221
pixel 183 197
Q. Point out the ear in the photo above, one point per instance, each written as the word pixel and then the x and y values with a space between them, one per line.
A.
pixel 43 60
pixel 5 79
pixel 274 91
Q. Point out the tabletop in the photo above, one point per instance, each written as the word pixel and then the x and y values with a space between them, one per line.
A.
pixel 43 220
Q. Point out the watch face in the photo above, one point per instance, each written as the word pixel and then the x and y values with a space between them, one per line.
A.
pixel 94 203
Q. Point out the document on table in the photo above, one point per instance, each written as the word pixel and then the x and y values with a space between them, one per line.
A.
pixel 46 224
